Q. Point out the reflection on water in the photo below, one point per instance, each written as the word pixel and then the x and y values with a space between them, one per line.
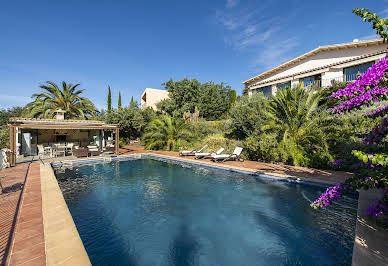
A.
pixel 149 212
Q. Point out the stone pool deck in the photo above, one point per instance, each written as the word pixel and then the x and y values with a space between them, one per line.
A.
pixel 39 229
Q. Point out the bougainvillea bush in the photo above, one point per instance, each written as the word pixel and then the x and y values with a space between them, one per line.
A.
pixel 369 88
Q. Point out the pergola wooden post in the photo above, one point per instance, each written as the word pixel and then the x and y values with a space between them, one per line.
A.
pixel 117 146
pixel 12 144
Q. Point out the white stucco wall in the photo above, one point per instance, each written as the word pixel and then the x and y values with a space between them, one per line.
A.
pixel 150 97
pixel 320 60
pixel 325 58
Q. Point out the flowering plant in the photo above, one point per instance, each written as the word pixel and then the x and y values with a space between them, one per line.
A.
pixel 366 90
pixel 372 172
pixel 382 111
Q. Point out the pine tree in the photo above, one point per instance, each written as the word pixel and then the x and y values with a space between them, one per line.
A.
pixel 109 100
pixel 119 103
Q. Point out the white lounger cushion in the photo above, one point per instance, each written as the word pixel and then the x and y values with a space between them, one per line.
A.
pixel 237 151
pixel 201 154
pixel 220 156
pixel 189 152
pixel 183 152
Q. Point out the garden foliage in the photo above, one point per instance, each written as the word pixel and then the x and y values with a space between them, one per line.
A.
pixel 212 100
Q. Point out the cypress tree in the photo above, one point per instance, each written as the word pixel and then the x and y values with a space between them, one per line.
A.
pixel 132 103
pixel 119 103
pixel 232 97
pixel 109 100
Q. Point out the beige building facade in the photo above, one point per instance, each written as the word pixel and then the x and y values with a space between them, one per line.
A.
pixel 150 97
pixel 320 67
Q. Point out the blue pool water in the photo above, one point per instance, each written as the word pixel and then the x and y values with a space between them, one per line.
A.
pixel 151 212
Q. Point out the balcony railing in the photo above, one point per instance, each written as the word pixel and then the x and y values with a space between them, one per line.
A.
pixel 329 82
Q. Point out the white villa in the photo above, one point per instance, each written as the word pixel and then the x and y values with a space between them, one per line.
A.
pixel 320 67
pixel 150 97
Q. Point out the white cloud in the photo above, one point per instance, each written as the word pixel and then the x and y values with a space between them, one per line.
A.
pixel 275 53
pixel 245 28
pixel 231 3
pixel 254 32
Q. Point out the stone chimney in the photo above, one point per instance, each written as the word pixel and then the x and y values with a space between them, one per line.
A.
pixel 60 114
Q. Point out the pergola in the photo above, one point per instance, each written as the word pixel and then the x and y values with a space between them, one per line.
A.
pixel 17 123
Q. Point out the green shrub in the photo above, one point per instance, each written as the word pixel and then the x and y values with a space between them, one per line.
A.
pixel 131 122
pixel 217 141
pixel 203 128
pixel 4 137
pixel 221 125
pixel 265 147
pixel 247 115
pixel 166 133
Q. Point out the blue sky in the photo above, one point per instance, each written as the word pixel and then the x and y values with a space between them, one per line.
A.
pixel 131 45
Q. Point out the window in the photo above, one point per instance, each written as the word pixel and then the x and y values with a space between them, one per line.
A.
pixel 267 91
pixel 351 73
pixel 311 81
pixel 283 85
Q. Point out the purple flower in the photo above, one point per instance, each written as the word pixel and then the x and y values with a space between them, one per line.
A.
pixel 378 208
pixel 331 194
pixel 378 112
pixel 365 90
pixel 337 163
pixel 377 133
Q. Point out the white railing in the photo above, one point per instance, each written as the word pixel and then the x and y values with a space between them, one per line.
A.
pixel 329 82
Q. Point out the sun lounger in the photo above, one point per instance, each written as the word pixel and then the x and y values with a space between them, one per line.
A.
pixel 202 155
pixel 186 153
pixel 225 157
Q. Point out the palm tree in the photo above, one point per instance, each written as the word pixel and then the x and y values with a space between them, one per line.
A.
pixel 295 115
pixel 53 98
pixel 165 133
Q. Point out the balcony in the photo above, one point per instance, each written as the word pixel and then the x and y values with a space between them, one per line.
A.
pixel 328 82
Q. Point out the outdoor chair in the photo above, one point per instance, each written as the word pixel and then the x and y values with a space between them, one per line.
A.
pixel 69 148
pixel 229 157
pixel 60 150
pixel 42 152
pixel 193 152
pixel 203 155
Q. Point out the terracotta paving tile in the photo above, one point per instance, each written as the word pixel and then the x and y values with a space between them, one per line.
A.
pixel 28 232
pixel 29 224
pixel 29 213
pixel 28 245
pixel 32 202
pixel 28 242
pixel 39 261
pixel 26 217
pixel 10 177
pixel 27 254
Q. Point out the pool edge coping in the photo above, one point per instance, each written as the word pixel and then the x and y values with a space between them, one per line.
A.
pixel 63 244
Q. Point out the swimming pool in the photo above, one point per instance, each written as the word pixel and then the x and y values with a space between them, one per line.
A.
pixel 153 212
